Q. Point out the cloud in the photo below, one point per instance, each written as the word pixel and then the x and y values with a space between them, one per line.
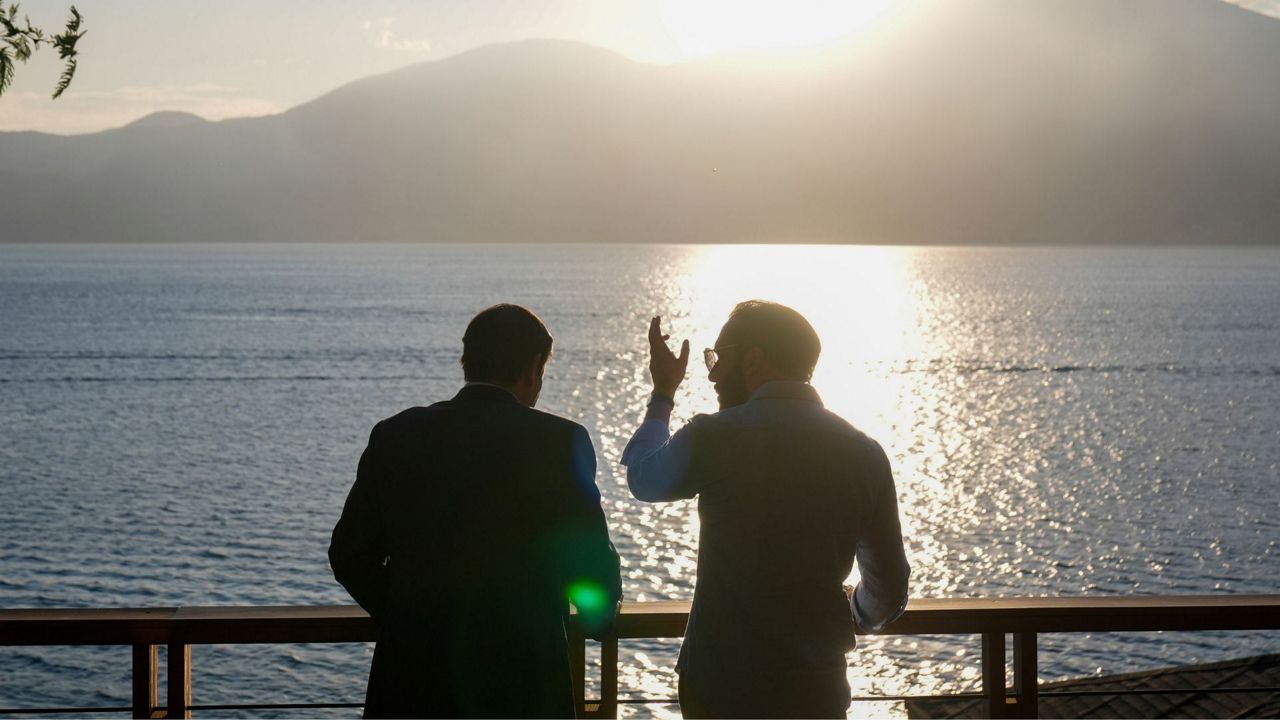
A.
pixel 1265 7
pixel 385 37
pixel 390 40
pixel 91 111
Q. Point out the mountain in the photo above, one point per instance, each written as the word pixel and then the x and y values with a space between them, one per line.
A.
pixel 986 121
pixel 167 118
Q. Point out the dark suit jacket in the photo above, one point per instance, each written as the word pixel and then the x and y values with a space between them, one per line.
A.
pixel 468 522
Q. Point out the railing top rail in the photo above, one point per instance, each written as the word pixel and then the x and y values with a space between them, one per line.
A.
pixel 349 623
pixel 95 626
pixel 1089 614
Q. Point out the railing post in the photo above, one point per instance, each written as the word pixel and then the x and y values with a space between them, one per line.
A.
pixel 1026 688
pixel 146 680
pixel 179 677
pixel 993 674
pixel 578 668
pixel 609 677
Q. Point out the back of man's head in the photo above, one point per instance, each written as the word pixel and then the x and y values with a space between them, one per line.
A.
pixel 501 341
pixel 787 340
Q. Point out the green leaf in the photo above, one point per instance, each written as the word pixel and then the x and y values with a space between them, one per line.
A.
pixel 6 69
pixel 22 43
pixel 67 73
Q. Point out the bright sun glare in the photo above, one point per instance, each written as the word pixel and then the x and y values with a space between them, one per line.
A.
pixel 707 27
pixel 860 299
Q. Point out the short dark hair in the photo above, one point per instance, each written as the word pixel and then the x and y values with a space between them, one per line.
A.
pixel 501 341
pixel 788 341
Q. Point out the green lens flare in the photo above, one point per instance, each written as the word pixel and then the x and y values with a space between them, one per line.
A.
pixel 588 597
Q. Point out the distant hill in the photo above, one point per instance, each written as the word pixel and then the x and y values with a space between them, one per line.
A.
pixel 984 121
pixel 167 118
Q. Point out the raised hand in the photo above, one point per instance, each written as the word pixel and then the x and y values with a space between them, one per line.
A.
pixel 665 368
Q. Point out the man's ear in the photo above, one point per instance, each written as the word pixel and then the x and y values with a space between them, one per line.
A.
pixel 754 362
pixel 533 371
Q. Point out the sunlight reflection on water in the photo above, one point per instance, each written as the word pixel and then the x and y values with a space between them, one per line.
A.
pixel 1060 422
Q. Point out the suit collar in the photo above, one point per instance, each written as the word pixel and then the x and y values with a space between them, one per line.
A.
pixel 485 392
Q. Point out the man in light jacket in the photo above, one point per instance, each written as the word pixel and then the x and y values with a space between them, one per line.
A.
pixel 789 495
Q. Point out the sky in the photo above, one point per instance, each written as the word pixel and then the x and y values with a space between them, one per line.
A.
pixel 235 58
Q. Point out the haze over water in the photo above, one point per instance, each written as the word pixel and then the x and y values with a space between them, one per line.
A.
pixel 181 424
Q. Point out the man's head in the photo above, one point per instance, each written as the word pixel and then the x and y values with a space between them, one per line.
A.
pixel 762 342
pixel 507 345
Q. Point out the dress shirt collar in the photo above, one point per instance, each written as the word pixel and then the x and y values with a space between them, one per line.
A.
pixel 787 390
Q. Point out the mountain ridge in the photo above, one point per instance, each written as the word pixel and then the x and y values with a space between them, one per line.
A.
pixel 1001 123
pixel 166 118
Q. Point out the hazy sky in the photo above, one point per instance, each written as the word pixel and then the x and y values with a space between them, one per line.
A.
pixel 233 58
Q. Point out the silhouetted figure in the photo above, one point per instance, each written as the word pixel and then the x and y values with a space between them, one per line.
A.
pixel 470 526
pixel 789 494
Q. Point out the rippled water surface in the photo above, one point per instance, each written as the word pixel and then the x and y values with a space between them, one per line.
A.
pixel 180 425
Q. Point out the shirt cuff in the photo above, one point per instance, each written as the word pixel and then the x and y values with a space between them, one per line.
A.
pixel 874 621
pixel 659 408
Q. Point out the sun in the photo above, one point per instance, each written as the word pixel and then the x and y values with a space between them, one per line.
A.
pixel 706 27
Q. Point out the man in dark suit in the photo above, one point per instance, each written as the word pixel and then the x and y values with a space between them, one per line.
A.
pixel 472 525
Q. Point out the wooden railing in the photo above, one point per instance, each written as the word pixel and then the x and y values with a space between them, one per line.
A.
pixel 994 619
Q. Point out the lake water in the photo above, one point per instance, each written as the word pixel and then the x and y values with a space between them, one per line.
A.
pixel 180 424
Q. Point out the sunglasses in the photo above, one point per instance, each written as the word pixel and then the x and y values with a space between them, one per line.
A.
pixel 711 356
